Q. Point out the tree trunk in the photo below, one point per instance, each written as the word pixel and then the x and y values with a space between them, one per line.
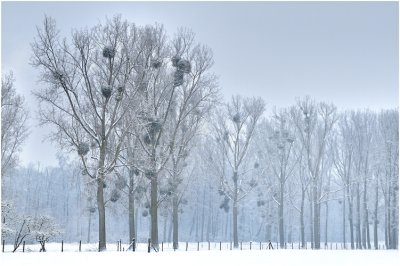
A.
pixel 365 215
pixel 350 201
pixel 131 206
pixel 311 223
pixel 90 222
pixel 235 212
pixel 358 216
pixel 175 207
pixel 102 213
pixel 153 212
pixel 316 218
pixel 326 223
pixel 302 233
pixel 203 214
pixel 376 217
pixel 395 212
pixel 280 217
pixel 344 219
pixel 368 235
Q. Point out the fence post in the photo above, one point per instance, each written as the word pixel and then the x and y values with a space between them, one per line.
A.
pixel 230 246
pixel 80 243
pixel 220 245
pixel 198 245
pixel 162 246
pixel 99 245
pixel 23 246
pixel 133 245
pixel 4 242
pixel 208 245
pixel 260 245
pixel 250 245
pixel 62 245
pixel 186 245
pixel 240 245
pixel 148 246
pixel 292 245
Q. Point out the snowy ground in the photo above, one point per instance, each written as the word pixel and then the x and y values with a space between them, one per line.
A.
pixel 204 257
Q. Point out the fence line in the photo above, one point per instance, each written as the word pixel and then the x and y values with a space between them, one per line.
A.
pixel 188 246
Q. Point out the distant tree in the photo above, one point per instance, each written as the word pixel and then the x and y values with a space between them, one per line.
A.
pixel 234 129
pixel 314 123
pixel 13 124
pixel 389 135
pixel 280 158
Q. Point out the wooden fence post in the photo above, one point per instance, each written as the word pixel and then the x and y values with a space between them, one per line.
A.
pixel 4 242
pixel 240 245
pixel 186 245
pixel 62 245
pixel 23 246
pixel 208 245
pixel 148 246
pixel 162 246
pixel 250 245
pixel 198 245
pixel 133 245
pixel 220 245
pixel 80 245
pixel 260 245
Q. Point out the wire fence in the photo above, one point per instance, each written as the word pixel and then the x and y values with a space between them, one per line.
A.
pixel 120 246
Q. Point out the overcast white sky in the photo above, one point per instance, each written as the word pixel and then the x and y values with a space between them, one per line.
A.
pixel 345 53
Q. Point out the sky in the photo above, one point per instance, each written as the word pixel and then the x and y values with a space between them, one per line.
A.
pixel 345 53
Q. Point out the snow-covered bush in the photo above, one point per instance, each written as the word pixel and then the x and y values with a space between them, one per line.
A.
pixel 14 225
pixel 43 228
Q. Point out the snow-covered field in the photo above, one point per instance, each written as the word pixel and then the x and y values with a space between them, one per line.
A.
pixel 192 257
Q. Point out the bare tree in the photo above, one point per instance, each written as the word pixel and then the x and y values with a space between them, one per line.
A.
pixel 234 129
pixel 13 124
pixel 171 96
pixel 314 130
pixel 343 161
pixel 281 161
pixel 88 83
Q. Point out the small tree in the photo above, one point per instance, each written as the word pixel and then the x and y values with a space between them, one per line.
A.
pixel 43 228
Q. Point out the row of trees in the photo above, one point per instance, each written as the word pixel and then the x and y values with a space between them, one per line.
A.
pixel 142 113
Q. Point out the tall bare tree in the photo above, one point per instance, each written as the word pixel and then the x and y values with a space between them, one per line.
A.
pixel 87 82
pixel 234 128
pixel 176 93
pixel 314 130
